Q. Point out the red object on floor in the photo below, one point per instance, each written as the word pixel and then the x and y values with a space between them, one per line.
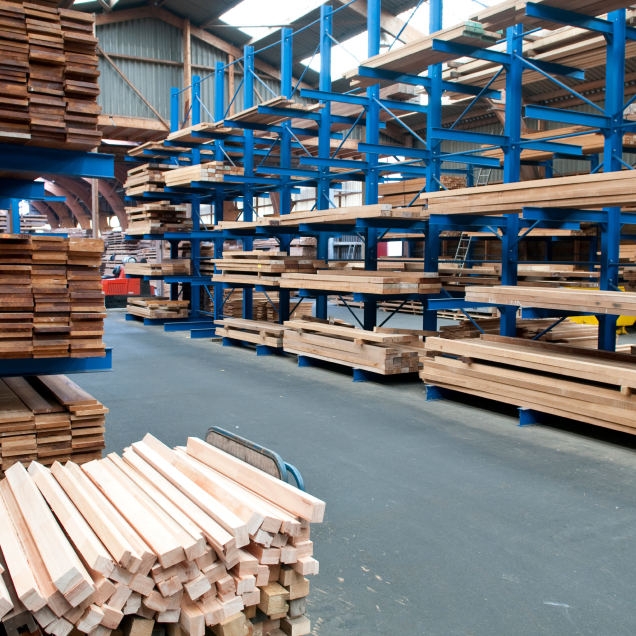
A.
pixel 121 286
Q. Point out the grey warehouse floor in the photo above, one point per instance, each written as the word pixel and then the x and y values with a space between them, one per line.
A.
pixel 443 518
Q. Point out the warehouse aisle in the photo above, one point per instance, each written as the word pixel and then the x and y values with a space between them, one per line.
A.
pixel 442 518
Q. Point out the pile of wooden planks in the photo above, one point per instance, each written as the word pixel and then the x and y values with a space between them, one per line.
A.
pixel 568 332
pixel 586 301
pixel 214 171
pixel 386 351
pixel 48 83
pixel 406 192
pixel 264 307
pixel 148 177
pixel 48 419
pixel 258 267
pixel 167 267
pixel 28 222
pixel 252 115
pixel 591 191
pixel 157 218
pixel 190 536
pixel 51 299
pixel 588 385
pixel 158 307
pixel 252 331
pixel 363 282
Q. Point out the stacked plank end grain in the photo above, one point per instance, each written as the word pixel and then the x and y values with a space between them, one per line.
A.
pixel 592 386
pixel 191 537
pixel 591 191
pixel 48 419
pixel 253 331
pixel 382 282
pixel 48 87
pixel 586 301
pixel 148 177
pixel 51 300
pixel 214 171
pixel 167 267
pixel 383 351
pixel 157 218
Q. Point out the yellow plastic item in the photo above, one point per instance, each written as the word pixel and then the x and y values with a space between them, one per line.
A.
pixel 622 322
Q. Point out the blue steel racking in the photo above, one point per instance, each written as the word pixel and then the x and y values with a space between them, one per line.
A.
pixel 26 163
pixel 317 171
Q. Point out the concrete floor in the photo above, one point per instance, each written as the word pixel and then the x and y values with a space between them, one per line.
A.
pixel 443 518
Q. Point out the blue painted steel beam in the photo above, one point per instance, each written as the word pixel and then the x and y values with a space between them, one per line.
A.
pixel 580 216
pixel 334 163
pixel 470 136
pixel 466 50
pixel 567 116
pixel 21 189
pixel 387 149
pixel 56 366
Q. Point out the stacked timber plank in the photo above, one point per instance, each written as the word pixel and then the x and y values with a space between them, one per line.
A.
pixel 51 298
pixel 386 352
pixel 148 177
pixel 586 301
pixel 212 172
pixel 191 537
pixel 157 218
pixel 346 215
pixel 590 191
pixel 48 87
pixel 588 385
pixel 264 307
pixel 118 247
pixel 168 267
pixel 252 115
pixel 158 307
pixel 252 331
pixel 48 419
pixel 568 332
pixel 363 282
pixel 257 267
pixel 28 222
pixel 406 192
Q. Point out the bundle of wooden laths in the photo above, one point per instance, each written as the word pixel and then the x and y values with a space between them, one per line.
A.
pixel 167 267
pixel 382 351
pixel 213 171
pixel 253 331
pixel 190 536
pixel 158 307
pixel 346 215
pixel 363 282
pixel 403 193
pixel 157 218
pixel 51 299
pixel 148 177
pixel 48 418
pixel 586 301
pixel 567 332
pixel 258 267
pixel 590 191
pixel 48 83
pixel 588 385
pixel 27 221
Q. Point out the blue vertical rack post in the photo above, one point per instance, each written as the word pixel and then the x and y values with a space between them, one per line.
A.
pixel 248 167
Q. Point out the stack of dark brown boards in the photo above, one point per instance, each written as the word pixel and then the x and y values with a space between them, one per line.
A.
pixel 48 76
pixel 389 352
pixel 51 298
pixel 588 385
pixel 48 419
pixel 191 537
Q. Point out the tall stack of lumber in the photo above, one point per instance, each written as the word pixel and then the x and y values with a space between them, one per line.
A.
pixel 588 385
pixel 148 177
pixel 51 298
pixel 586 301
pixel 214 171
pixel 48 88
pixel 363 282
pixel 190 536
pixel 567 332
pixel 157 217
pixel 158 307
pixel 48 419
pixel 590 191
pixel 385 351
pixel 257 267
pixel 118 247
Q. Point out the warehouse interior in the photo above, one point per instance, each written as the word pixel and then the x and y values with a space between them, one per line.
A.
pixel 317 317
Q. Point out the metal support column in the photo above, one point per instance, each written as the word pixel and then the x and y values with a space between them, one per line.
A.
pixel 219 114
pixel 14 215
pixel 248 167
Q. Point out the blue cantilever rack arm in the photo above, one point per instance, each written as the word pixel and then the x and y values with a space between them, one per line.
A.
pixel 216 434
